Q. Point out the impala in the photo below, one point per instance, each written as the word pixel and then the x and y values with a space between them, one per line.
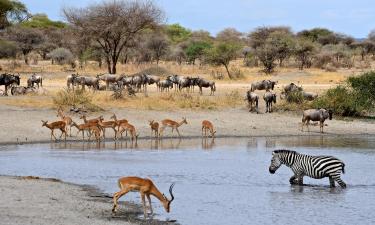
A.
pixel 119 122
pixel 68 120
pixel 146 188
pixel 128 127
pixel 91 127
pixel 154 128
pixel 172 124
pixel 207 126
pixel 61 125
pixel 108 124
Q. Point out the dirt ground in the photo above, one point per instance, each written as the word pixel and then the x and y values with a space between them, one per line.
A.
pixel 56 202
pixel 24 124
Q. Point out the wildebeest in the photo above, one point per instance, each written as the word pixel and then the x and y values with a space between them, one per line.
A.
pixel 309 96
pixel 91 82
pixel 20 90
pixel 316 115
pixel 252 98
pixel 164 85
pixel 263 85
pixel 152 79
pixel 202 83
pixel 269 98
pixel 9 79
pixel 292 87
pixel 72 80
pixel 108 79
pixel 35 79
pixel 175 80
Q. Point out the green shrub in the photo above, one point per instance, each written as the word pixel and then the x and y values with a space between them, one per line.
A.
pixel 77 98
pixel 341 99
pixel 364 88
pixel 295 97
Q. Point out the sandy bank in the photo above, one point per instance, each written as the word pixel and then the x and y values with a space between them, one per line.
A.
pixel 24 124
pixel 48 201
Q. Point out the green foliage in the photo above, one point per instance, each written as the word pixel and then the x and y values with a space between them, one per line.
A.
pixel 304 51
pixel 295 97
pixel 77 98
pixel 315 33
pixel 42 21
pixel 177 33
pixel 364 88
pixel 11 11
pixel 195 50
pixel 341 100
pixel 222 54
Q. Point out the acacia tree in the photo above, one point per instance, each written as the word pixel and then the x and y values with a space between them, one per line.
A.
pixel 222 54
pixel 304 51
pixel 12 11
pixel 26 39
pixel 113 25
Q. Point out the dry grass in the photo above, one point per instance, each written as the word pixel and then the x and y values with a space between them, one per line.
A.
pixel 170 101
pixel 229 92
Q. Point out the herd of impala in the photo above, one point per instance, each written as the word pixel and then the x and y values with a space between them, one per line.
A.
pixel 97 127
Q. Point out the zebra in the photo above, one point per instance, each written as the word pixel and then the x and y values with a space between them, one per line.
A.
pixel 305 165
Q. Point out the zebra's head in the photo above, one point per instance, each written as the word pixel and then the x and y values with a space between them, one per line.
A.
pixel 275 162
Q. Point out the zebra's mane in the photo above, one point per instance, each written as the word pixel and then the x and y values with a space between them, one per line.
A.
pixel 284 151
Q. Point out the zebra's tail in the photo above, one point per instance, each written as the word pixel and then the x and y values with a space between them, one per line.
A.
pixel 343 167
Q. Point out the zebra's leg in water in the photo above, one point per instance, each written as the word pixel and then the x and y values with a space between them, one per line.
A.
pixel 331 182
pixel 300 180
pixel 337 178
pixel 292 179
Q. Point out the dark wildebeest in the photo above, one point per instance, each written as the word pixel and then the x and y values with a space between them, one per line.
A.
pixel 72 80
pixel 91 82
pixel 263 85
pixel 316 115
pixel 202 83
pixel 184 82
pixel 269 98
pixel 175 80
pixel 108 79
pixel 152 79
pixel 165 84
pixel 291 88
pixel 20 90
pixel 252 98
pixel 309 96
pixel 9 79
pixel 35 79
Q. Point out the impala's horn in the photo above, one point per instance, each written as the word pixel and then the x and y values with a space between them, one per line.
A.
pixel 170 192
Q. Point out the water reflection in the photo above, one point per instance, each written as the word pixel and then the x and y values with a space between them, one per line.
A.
pixel 208 143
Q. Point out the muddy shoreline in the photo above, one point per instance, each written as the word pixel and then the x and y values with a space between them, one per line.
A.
pixel 23 125
pixel 52 201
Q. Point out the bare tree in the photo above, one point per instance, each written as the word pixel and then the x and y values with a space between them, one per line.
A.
pixel 230 35
pixel 158 45
pixel 113 24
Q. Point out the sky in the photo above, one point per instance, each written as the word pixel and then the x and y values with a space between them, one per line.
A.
pixel 355 18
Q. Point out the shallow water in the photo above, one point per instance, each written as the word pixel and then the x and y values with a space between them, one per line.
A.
pixel 221 182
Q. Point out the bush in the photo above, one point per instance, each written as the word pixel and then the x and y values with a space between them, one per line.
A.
pixel 295 97
pixel 77 98
pixel 61 56
pixel 341 100
pixel 364 88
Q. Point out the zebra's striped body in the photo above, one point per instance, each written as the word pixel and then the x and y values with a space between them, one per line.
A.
pixel 305 165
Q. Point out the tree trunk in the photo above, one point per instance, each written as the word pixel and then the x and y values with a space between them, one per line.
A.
pixel 113 68
pixel 226 67
pixel 26 59
pixel 108 63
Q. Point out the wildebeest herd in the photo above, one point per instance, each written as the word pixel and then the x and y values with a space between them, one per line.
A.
pixel 139 82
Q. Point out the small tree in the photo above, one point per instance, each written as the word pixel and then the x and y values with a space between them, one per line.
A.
pixel 7 49
pixel 304 52
pixel 222 54
pixel 267 55
pixel 195 50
